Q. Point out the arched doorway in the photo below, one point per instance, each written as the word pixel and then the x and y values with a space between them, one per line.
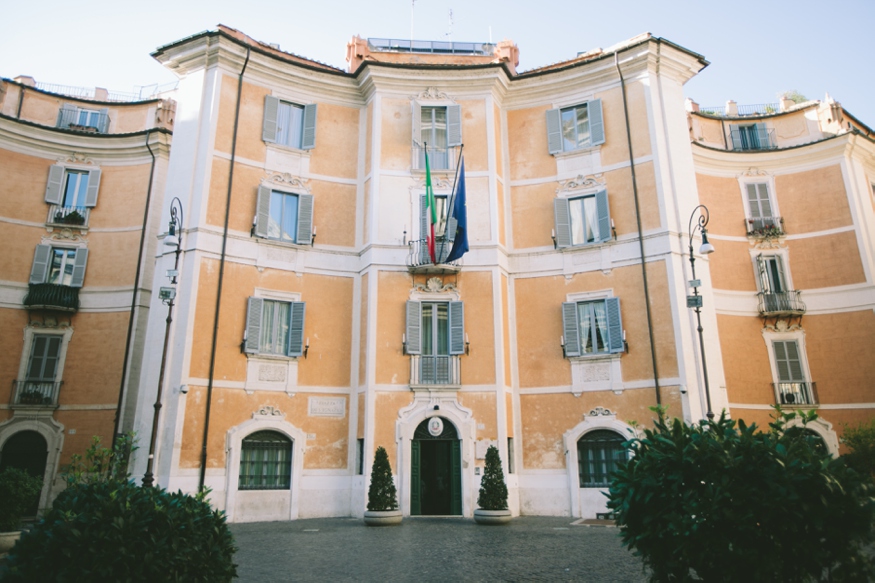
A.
pixel 436 469
pixel 28 451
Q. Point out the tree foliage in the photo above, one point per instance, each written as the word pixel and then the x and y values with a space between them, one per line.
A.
pixel 18 490
pixel 493 490
pixel 793 95
pixel 722 501
pixel 381 493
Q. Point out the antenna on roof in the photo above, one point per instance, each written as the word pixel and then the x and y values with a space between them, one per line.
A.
pixel 490 35
pixel 412 6
pixel 450 28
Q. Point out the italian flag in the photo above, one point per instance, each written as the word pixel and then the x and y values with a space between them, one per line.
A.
pixel 430 210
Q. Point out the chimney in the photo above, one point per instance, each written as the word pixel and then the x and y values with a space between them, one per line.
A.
pixel 507 52
pixel 357 52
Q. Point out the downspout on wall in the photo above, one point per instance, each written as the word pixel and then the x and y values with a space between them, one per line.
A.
pixel 126 362
pixel 640 232
pixel 203 468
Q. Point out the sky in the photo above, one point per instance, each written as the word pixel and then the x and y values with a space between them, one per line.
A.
pixel 757 50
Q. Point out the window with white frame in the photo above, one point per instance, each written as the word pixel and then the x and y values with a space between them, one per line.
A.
pixel 792 386
pixel 582 220
pixel 59 265
pixel 576 127
pixel 265 461
pixel 444 225
pixel 772 279
pixel 274 327
pixel 762 219
pixel 435 336
pixel 71 116
pixel 439 127
pixel 72 192
pixel 284 216
pixel 599 454
pixel 592 327
pixel 41 366
pixel 289 124
pixel 753 136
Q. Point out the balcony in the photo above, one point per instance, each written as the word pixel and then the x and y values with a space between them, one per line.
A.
pixel 68 216
pixel 781 304
pixel 765 227
pixel 752 138
pixel 42 394
pixel 795 393
pixel 51 296
pixel 439 159
pixel 435 372
pixel 419 260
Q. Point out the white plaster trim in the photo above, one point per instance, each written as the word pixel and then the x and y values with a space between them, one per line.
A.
pixel 52 431
pixel 823 428
pixel 262 420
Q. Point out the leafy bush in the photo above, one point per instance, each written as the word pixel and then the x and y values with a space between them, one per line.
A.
pixel 101 464
pixel 861 441
pixel 493 490
pixel 18 490
pixel 725 502
pixel 113 530
pixel 381 493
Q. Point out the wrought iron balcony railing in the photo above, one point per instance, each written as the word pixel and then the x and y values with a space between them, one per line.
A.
pixel 438 158
pixel 796 393
pixel 781 304
pixel 75 216
pixel 435 371
pixel 418 256
pixel 36 393
pixel 428 46
pixel 765 227
pixel 51 296
pixel 747 138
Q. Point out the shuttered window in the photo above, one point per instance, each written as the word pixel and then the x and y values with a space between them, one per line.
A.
pixel 582 220
pixel 59 266
pixel 72 188
pixel 289 124
pixel 45 352
pixel 788 361
pixel 284 216
pixel 72 117
pixel 575 128
pixel 274 327
pixel 592 327
pixel 771 274
pixel 440 129
pixel 265 462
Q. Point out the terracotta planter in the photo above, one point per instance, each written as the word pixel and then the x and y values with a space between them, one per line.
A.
pixel 382 517
pixel 492 517
pixel 8 539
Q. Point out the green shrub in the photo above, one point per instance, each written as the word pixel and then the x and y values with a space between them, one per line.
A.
pixel 101 464
pixel 381 493
pixel 18 491
pixel 493 490
pixel 113 530
pixel 727 502
pixel 861 443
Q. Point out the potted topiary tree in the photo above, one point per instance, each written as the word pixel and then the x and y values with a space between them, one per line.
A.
pixel 382 497
pixel 18 490
pixel 493 492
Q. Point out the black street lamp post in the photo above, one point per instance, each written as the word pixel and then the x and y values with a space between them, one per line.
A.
pixel 695 300
pixel 167 295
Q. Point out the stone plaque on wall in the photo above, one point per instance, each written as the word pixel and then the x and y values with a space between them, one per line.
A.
pixel 326 406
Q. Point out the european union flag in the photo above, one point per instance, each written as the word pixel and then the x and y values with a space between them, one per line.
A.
pixel 460 213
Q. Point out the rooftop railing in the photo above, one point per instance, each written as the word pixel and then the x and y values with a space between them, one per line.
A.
pixel 743 110
pixel 142 93
pixel 428 46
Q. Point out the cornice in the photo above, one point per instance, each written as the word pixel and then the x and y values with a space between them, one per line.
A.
pixel 112 149
pixel 826 152
pixel 459 83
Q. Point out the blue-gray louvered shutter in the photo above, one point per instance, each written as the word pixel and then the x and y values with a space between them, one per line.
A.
pixel 305 219
pixel 562 216
pixel 416 113
pixel 735 132
pixel 296 329
pixel 103 121
pixel 253 325
pixel 271 113
pixel 262 211
pixel 457 327
pixel 424 257
pixel 69 114
pixel 554 131
pixel 765 285
pixel 41 258
pixel 615 325
pixel 414 327
pixel 93 187
pixel 78 276
pixel 788 362
pixel 596 122
pixel 454 125
pixel 55 185
pixel 604 215
pixel 571 329
pixel 308 135
pixel 762 136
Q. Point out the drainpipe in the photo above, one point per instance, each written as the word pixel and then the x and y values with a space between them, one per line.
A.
pixel 640 232
pixel 126 362
pixel 21 91
pixel 203 471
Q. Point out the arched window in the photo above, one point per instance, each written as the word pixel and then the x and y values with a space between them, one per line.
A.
pixel 598 455
pixel 266 461
pixel 814 438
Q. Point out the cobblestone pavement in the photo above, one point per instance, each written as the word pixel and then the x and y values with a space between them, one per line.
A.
pixel 432 549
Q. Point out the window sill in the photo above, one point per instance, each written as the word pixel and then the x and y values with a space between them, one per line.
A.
pixel 578 151
pixel 435 388
pixel 285 148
